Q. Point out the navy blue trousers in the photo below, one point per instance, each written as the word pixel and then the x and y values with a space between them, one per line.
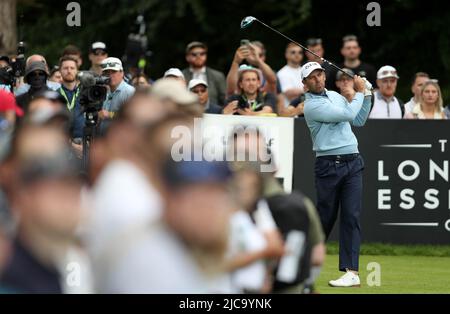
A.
pixel 339 184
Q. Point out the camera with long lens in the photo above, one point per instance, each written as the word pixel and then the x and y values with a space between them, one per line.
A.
pixel 93 90
pixel 10 73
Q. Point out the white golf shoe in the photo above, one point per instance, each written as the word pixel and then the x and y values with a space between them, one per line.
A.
pixel 349 279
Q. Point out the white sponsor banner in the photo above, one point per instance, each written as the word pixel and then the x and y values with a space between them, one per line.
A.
pixel 278 133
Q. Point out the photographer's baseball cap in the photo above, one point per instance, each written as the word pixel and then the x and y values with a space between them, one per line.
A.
pixel 196 82
pixel 173 90
pixel 112 63
pixel 174 72
pixel 387 71
pixel 98 45
pixel 339 74
pixel 195 44
pixel 308 68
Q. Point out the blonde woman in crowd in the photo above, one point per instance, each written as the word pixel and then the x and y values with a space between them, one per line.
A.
pixel 431 104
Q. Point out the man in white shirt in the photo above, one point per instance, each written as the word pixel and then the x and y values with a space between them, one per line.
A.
pixel 289 76
pixel 385 104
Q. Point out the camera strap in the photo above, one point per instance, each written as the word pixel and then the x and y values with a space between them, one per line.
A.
pixel 71 104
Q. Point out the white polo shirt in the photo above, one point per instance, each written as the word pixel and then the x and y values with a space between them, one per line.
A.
pixel 289 78
pixel 385 108
pixel 409 106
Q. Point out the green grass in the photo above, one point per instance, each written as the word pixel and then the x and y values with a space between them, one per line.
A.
pixel 399 274
pixel 396 250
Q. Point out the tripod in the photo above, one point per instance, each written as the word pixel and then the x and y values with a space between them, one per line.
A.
pixel 90 126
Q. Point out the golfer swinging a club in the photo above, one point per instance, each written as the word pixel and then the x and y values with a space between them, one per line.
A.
pixel 339 166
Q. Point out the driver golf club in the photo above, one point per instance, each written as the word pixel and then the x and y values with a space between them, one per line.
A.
pixel 248 20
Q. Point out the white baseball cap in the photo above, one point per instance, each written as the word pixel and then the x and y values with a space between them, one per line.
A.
pixel 98 45
pixel 174 72
pixel 170 89
pixel 308 68
pixel 112 63
pixel 196 82
pixel 387 71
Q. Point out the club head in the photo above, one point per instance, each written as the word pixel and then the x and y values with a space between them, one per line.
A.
pixel 247 21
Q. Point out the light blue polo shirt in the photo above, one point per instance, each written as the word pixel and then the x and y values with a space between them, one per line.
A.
pixel 114 100
pixel 329 117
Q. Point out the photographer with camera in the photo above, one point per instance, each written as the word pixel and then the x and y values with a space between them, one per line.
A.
pixel 119 90
pixel 251 101
pixel 70 90
pixel 4 73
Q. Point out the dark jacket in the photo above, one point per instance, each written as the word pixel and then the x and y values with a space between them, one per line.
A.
pixel 216 84
pixel 24 100
pixel 25 274
pixel 213 108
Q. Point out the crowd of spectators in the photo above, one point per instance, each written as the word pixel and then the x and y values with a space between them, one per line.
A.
pixel 134 220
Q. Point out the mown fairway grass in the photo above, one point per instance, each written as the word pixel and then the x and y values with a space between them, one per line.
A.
pixel 407 269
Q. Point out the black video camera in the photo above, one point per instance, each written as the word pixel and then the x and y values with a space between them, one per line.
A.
pixel 93 90
pixel 136 51
pixel 15 69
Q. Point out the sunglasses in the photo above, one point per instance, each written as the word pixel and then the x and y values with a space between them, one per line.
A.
pixel 198 90
pixel 390 73
pixel 37 74
pixel 196 54
pixel 99 53
pixel 110 65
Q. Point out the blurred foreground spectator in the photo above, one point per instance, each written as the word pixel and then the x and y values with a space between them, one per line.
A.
pixel 44 193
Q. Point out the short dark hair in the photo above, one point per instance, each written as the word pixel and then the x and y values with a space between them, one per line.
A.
pixel 196 44
pixel 349 37
pixel 313 42
pixel 419 74
pixel 67 58
pixel 71 50
pixel 291 44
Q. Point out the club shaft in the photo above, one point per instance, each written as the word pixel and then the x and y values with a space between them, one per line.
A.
pixel 304 48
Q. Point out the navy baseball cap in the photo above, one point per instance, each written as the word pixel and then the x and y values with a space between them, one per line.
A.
pixel 190 172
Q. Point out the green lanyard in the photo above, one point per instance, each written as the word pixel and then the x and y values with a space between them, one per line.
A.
pixel 254 104
pixel 72 103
